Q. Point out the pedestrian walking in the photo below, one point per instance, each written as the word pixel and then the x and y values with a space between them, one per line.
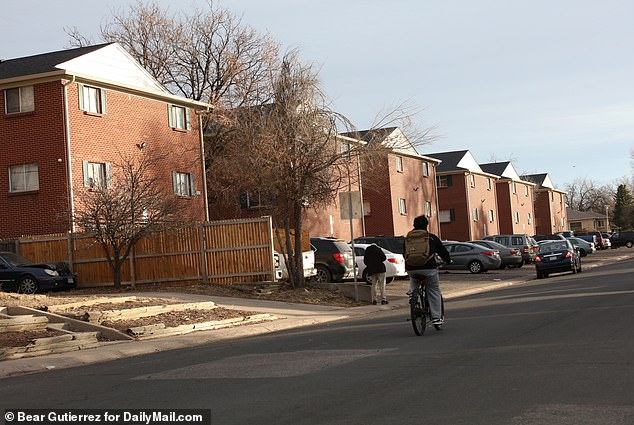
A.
pixel 373 259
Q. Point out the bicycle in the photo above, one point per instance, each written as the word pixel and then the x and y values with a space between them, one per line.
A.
pixel 420 314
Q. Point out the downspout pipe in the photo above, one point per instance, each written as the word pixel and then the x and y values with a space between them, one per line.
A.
pixel 69 168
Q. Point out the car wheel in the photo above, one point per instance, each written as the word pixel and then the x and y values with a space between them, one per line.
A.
pixel 475 267
pixel 540 275
pixel 520 264
pixel 364 277
pixel 389 279
pixel 27 285
pixel 583 252
pixel 629 244
pixel 323 274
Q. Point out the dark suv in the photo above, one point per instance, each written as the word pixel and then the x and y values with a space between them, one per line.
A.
pixel 625 238
pixel 333 260
pixel 391 243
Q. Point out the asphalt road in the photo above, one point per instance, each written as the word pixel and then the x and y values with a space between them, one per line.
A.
pixel 555 351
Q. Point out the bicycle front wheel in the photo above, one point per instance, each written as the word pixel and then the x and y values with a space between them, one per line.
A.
pixel 417 314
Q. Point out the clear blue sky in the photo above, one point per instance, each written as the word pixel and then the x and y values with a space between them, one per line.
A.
pixel 547 84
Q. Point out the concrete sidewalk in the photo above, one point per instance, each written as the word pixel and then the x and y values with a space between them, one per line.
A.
pixel 453 285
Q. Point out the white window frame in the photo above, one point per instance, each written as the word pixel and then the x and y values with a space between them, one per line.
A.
pixel 183 183
pixel 491 216
pixel 475 214
pixel 97 175
pixel 92 99
pixel 472 182
pixel 178 117
pixel 517 217
pixel 426 169
pixel 489 183
pixel 402 206
pixel 399 164
pixel 24 178
pixel 529 217
pixel 25 101
pixel 428 208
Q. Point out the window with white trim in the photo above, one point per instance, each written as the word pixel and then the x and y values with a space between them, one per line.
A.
pixel 23 178
pixel 19 99
pixel 399 164
pixel 178 117
pixel 183 184
pixel 96 175
pixel 92 99
pixel 517 217
pixel 425 169
pixel 402 206
pixel 428 208
pixel 489 183
pixel 475 215
pixel 472 180
pixel 491 216
pixel 529 217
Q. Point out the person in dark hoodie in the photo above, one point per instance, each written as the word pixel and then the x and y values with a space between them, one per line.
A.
pixel 426 270
pixel 374 258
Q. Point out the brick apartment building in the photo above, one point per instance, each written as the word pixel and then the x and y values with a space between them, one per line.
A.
pixel 66 117
pixel 402 189
pixel 466 197
pixel 550 205
pixel 516 212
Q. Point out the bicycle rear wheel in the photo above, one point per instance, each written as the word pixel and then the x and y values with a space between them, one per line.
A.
pixel 417 314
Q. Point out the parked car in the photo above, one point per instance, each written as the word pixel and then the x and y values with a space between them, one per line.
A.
pixel 391 243
pixel 527 245
pixel 624 238
pixel 22 275
pixel 333 260
pixel 394 264
pixel 555 237
pixel 557 257
pixel 472 257
pixel 308 262
pixel 607 242
pixel 590 239
pixel 511 257
pixel 584 247
pixel 597 234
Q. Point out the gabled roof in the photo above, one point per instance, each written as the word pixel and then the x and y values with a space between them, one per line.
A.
pixel 391 137
pixel 458 161
pixel 574 215
pixel 105 65
pixel 504 169
pixel 542 181
pixel 42 63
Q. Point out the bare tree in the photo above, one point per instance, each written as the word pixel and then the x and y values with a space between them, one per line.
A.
pixel 208 55
pixel 584 194
pixel 129 207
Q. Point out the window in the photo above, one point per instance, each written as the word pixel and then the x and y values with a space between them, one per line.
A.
pixel 526 190
pixel 345 150
pixel 251 199
pixel 489 183
pixel 517 217
pixel 19 99
pixel 513 187
pixel 183 184
pixel 474 213
pixel 426 169
pixel 178 117
pixel 399 164
pixel 96 175
pixel 444 181
pixel 529 217
pixel 428 208
pixel 491 216
pixel 92 99
pixel 23 178
pixel 402 207
pixel 447 216
pixel 472 180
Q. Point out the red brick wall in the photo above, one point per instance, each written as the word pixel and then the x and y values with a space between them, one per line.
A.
pixel 40 137
pixel 484 199
pixel 28 138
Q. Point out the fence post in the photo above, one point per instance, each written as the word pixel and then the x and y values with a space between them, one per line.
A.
pixel 270 224
pixel 70 252
pixel 203 252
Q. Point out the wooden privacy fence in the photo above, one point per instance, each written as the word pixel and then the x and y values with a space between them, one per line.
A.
pixel 222 252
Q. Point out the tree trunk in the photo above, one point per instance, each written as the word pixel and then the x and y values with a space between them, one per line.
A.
pixel 298 251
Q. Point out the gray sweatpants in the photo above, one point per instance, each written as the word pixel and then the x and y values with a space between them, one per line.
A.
pixel 432 283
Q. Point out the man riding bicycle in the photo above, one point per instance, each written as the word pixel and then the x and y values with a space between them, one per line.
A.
pixel 420 249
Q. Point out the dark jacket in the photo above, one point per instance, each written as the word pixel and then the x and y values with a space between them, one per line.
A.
pixel 436 246
pixel 374 258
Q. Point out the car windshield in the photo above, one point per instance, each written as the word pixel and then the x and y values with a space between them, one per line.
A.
pixel 15 260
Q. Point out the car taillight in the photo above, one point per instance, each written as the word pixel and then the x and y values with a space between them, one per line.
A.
pixel 515 252
pixel 489 253
pixel 338 257
pixel 568 254
pixel 392 260
pixel 538 259
pixel 526 249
